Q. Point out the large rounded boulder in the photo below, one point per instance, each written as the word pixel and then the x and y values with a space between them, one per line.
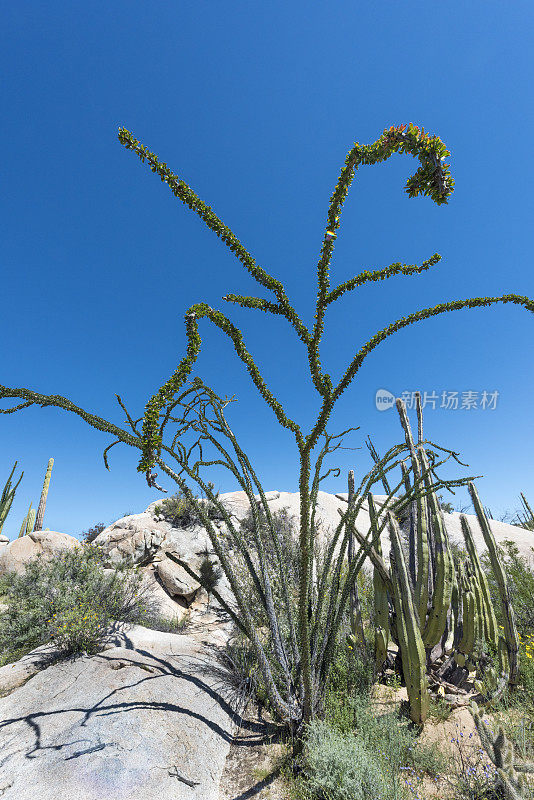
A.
pixel 15 555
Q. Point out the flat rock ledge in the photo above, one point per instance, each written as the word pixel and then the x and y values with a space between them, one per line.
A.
pixel 145 717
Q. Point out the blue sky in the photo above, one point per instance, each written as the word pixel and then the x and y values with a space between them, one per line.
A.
pixel 255 106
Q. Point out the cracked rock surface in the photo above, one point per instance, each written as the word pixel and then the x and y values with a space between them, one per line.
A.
pixel 142 718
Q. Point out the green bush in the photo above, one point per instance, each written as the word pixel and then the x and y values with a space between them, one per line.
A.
pixel 351 675
pixel 339 767
pixel 71 600
pixel 89 536
pixel 181 512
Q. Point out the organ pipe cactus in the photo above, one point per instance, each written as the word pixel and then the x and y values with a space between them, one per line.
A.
pixel 44 495
pixel 380 595
pixel 31 521
pixel 7 497
pixel 24 527
pixel 452 605
pixel 408 631
pixel 441 598
pixel 491 631
pixel 510 629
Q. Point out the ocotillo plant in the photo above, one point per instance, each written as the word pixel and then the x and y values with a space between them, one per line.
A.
pixel 432 179
pixel 7 497
pixel 280 662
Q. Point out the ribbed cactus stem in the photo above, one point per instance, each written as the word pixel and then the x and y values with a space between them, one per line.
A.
pixel 412 522
pixel 491 632
pixel 441 597
pixel 510 629
pixel 419 412
pixel 449 643
pixel 466 643
pixel 23 527
pixel 422 551
pixel 7 497
pixel 381 606
pixel 423 560
pixel 409 636
pixel 479 608
pixel 44 495
pixel 356 621
pixel 31 521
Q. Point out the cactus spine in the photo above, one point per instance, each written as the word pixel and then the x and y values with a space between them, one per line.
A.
pixel 510 630
pixel 44 495
pixel 410 641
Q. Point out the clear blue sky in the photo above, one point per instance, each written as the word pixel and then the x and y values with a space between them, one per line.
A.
pixel 255 106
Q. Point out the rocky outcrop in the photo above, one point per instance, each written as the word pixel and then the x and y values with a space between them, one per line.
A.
pixel 144 535
pixel 143 718
pixel 15 555
pixel 16 674
pixel 176 580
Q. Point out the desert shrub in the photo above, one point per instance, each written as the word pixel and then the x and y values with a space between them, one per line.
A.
pixel 71 600
pixel 352 675
pixel 89 536
pixel 181 513
pixel 339 767
pixel 157 622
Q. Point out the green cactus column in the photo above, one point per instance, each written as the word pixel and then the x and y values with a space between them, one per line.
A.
pixel 381 606
pixel 442 594
pixel 7 497
pixel 510 630
pixel 410 641
pixel 355 611
pixel 421 589
pixel 24 527
pixel 491 632
pixel 44 495
pixel 31 521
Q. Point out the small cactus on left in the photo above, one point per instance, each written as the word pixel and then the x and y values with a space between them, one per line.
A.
pixel 7 497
